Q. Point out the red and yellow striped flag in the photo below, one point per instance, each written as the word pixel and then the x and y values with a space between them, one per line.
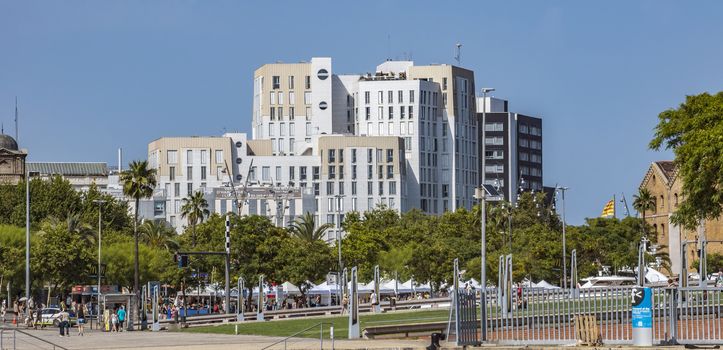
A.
pixel 609 209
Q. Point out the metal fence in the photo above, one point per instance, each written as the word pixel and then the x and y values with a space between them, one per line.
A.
pixel 547 316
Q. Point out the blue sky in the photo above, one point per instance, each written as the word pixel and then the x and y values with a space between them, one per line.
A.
pixel 93 76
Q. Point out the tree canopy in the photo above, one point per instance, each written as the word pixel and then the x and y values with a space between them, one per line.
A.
pixel 694 132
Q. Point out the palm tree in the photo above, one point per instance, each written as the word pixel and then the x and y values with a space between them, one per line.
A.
pixel 642 202
pixel 138 182
pixel 195 208
pixel 305 228
pixel 156 234
pixel 85 230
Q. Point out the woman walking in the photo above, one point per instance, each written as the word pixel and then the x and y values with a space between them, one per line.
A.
pixel 81 319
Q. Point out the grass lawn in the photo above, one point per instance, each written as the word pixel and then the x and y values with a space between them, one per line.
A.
pixel 283 328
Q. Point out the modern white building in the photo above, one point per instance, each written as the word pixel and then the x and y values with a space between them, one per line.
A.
pixel 403 136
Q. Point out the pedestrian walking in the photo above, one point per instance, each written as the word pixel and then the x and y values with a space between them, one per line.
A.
pixel 374 301
pixel 114 322
pixel 64 325
pixel 344 304
pixel 81 319
pixel 121 318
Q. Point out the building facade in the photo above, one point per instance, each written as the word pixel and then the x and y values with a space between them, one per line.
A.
pixel 665 186
pixel 12 160
pixel 513 149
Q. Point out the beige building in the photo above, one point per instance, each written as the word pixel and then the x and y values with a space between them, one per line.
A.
pixel 12 160
pixel 665 186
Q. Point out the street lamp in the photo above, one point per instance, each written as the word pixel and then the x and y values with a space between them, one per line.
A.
pixel 483 221
pixel 100 203
pixel 27 231
pixel 339 198
pixel 562 190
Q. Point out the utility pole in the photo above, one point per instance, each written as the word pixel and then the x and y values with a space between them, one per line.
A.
pixel 562 190
pixel 227 290
pixel 483 223
pixel 100 203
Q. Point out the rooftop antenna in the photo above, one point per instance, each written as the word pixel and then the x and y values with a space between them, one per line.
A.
pixel 458 54
pixel 17 139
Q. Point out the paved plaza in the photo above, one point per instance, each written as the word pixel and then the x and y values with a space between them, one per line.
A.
pixel 191 341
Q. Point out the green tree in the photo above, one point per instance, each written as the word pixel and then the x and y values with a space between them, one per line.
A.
pixel 157 235
pixel 694 132
pixel 155 264
pixel 642 202
pixel 12 255
pixel 138 183
pixel 304 261
pixel 60 257
pixel 195 209
pixel 305 228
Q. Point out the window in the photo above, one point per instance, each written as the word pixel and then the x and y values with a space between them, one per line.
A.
pixel 280 112
pixel 266 173
pixel 282 129
pixel 391 112
pixel 381 188
pixel 410 128
pixel 272 129
pixel 494 141
pixel 494 127
pixel 307 82
pixel 308 113
pixel 411 112
pixel 219 156
pixel 366 97
pixel 172 157
pixel 292 173
pixel 500 154
pixel 341 156
pixel 353 155
pixel 495 169
pixel 353 188
pixel 523 128
pixel 380 98
pixel 332 155
pixel 380 113
pixel 444 83
pixel 302 173
pixel 308 129
pixel 252 173
pixel 316 188
pixel 370 203
pixel 341 172
pixel 332 172
pixel 392 187
pixel 390 171
pixel 401 112
pixel 370 155
pixel 380 172
pixel 370 188
pixel 402 128
pixel 204 155
pixel 189 188
pixel 330 188
pixel 408 143
pixel 275 82
pixel 411 96
pixel 272 98
pixel 307 97
pixel 316 172
pixel 368 111
pixel 353 172
pixel 292 114
pixel 390 129
pixel 291 82
pixel 177 189
pixel 381 129
pixel 292 127
pixel 390 96
pixel 172 173
pixel 341 189
pixel 203 173
pixel 390 155
pixel 370 171
pixel 272 116
pixel 400 96
pixel 524 143
pixel 278 173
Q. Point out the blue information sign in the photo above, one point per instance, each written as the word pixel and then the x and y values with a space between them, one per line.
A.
pixel 642 299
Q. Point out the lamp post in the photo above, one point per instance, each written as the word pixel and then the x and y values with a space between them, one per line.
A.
pixel 339 198
pixel 483 221
pixel 100 203
pixel 562 190
pixel 27 231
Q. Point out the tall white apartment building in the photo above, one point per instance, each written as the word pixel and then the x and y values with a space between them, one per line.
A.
pixel 404 136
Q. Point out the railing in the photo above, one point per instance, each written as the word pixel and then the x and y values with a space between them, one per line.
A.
pixel 537 316
pixel 14 331
pixel 321 336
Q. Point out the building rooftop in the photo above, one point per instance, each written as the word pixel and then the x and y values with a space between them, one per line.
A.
pixel 69 168
pixel 668 168
pixel 7 142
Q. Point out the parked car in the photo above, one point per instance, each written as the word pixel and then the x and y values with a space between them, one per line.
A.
pixel 50 316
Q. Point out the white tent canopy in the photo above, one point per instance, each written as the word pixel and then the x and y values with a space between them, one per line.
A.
pixel 545 285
